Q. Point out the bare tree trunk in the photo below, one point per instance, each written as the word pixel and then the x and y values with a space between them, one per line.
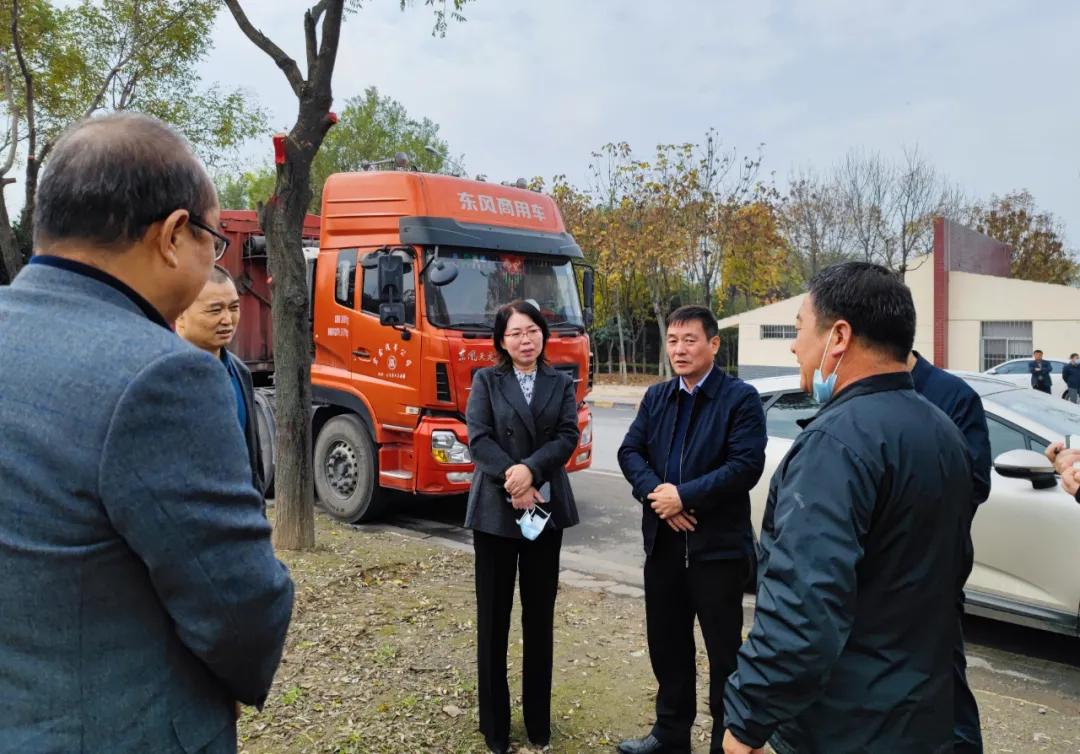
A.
pixel 633 351
pixel 610 349
pixel 283 221
pixel 294 523
pixel 622 339
pixel 663 368
pixel 10 253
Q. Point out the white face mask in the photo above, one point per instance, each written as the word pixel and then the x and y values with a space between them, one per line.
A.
pixel 532 522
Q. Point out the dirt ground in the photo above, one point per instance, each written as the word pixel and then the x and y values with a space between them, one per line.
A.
pixel 380 659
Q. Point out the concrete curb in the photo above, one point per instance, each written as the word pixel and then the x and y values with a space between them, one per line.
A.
pixel 620 403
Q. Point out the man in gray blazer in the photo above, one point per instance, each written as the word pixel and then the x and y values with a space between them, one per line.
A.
pixel 141 596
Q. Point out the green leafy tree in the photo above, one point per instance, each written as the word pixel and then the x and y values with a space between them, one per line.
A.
pixel 371 128
pixel 72 62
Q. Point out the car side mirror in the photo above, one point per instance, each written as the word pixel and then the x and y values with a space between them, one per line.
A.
pixel 1026 464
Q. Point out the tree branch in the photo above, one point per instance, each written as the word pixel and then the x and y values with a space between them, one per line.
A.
pixel 331 34
pixel 14 130
pixel 27 77
pixel 280 58
pixel 310 19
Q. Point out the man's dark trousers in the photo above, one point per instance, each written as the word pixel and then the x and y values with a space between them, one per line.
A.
pixel 675 593
pixel 967 731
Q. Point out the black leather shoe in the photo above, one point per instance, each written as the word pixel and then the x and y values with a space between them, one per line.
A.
pixel 498 748
pixel 648 745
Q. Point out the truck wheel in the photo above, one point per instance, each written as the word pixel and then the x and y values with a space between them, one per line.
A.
pixel 264 415
pixel 346 471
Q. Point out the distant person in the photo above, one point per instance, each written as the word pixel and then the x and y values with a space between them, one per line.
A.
pixel 860 557
pixel 210 324
pixel 141 594
pixel 962 404
pixel 1070 373
pixel 693 453
pixel 522 422
pixel 1040 373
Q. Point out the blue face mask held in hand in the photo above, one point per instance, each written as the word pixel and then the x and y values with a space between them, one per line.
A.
pixel 532 523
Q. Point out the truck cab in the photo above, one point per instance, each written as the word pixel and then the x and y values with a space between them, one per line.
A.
pixel 410 271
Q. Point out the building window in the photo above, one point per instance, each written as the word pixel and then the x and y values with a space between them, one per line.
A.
pixel 1003 341
pixel 778 332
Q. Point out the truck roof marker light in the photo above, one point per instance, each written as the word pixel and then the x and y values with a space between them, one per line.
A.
pixel 279 148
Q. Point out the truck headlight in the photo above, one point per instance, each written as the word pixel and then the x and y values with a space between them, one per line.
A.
pixel 586 434
pixel 446 448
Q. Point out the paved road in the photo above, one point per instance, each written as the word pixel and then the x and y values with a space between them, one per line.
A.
pixel 1010 666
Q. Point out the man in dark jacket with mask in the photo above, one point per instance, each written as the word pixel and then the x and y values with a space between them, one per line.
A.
pixel 692 455
pixel 860 557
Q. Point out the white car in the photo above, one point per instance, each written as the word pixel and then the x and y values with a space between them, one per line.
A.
pixel 1016 372
pixel 1027 534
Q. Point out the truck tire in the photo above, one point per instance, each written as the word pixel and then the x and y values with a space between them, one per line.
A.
pixel 264 417
pixel 347 471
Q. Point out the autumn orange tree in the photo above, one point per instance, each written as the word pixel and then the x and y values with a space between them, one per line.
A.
pixel 757 255
pixel 1036 238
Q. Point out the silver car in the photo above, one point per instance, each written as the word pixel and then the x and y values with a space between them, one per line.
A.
pixel 1027 534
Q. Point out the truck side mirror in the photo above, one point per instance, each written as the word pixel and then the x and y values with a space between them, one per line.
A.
pixel 391 281
pixel 588 289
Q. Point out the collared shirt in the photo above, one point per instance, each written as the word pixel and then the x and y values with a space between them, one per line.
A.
pixel 70 265
pixel 527 381
pixel 682 382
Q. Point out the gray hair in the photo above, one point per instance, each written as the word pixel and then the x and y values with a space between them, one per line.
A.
pixel 111 177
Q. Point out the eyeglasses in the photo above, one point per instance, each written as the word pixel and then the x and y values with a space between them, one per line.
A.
pixel 221 243
pixel 532 334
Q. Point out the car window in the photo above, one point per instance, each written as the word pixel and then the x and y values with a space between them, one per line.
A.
pixel 788 409
pixel 1016 367
pixel 1004 438
pixel 1056 366
pixel 1060 417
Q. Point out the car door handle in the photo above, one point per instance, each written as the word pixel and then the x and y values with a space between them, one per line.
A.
pixel 361 353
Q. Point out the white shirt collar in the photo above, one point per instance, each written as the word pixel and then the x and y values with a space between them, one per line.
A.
pixel 682 382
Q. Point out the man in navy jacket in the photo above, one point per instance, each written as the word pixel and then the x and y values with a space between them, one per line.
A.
pixel 963 405
pixel 692 454
pixel 1040 373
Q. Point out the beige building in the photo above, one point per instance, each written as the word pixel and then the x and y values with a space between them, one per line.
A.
pixel 971 314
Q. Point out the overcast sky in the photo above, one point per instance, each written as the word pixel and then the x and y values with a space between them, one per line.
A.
pixel 987 90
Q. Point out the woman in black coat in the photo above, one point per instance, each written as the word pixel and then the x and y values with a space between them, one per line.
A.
pixel 522 419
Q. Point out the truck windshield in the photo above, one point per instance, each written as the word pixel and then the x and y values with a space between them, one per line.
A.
pixel 488 279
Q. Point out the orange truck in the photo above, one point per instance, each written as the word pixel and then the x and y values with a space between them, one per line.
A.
pixel 409 272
